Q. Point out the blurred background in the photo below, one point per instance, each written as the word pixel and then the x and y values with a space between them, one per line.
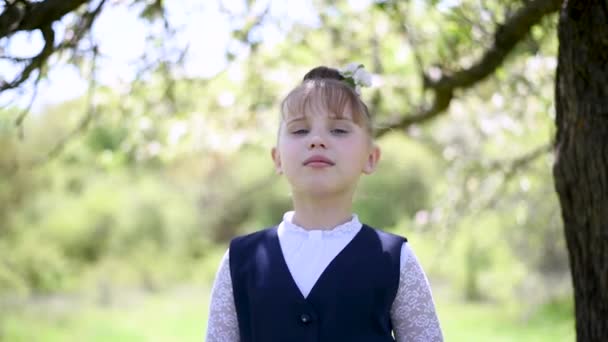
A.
pixel 135 143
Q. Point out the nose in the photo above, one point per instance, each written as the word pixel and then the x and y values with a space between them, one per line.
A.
pixel 316 141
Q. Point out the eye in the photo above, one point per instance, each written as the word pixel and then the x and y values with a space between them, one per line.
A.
pixel 299 131
pixel 339 131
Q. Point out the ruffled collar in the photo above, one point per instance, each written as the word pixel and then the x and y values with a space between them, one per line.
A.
pixel 348 228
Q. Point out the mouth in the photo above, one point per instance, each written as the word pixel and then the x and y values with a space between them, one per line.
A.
pixel 318 161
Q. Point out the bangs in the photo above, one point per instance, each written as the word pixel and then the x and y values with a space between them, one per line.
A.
pixel 326 95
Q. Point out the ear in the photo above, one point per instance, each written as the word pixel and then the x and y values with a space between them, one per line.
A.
pixel 276 158
pixel 372 160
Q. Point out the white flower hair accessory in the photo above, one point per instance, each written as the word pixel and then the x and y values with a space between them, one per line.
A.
pixel 356 76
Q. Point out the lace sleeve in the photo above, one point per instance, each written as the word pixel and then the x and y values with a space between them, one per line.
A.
pixel 413 311
pixel 222 325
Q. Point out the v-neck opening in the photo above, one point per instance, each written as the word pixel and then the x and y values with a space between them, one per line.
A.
pixel 277 244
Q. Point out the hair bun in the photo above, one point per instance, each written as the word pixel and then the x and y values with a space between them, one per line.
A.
pixel 323 72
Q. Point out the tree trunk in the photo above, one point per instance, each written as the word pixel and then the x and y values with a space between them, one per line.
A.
pixel 581 165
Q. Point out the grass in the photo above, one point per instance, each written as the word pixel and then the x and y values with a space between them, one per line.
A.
pixel 486 322
pixel 174 316
pixel 180 315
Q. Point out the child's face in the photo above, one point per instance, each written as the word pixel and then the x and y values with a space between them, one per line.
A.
pixel 322 154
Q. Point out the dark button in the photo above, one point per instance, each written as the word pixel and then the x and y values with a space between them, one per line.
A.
pixel 305 318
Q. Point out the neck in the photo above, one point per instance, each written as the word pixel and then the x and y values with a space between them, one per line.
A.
pixel 322 212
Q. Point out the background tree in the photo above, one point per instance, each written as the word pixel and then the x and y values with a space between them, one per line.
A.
pixel 581 166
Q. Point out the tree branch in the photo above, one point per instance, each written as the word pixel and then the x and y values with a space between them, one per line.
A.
pixel 471 204
pixel 36 62
pixel 511 167
pixel 506 38
pixel 84 122
pixel 81 28
pixel 28 16
pixel 35 15
pixel 26 110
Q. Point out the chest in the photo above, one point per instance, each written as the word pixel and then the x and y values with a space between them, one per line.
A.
pixel 359 270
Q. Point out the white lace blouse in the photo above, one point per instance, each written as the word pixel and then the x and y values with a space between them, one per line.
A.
pixel 307 254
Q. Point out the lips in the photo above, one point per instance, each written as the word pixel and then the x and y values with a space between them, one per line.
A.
pixel 318 161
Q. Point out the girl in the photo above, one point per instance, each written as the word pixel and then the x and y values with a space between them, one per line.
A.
pixel 322 275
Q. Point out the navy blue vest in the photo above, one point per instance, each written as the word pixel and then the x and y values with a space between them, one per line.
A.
pixel 350 301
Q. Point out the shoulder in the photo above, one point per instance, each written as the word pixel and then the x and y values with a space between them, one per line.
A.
pixel 385 237
pixel 246 251
pixel 255 236
pixel 386 242
pixel 247 241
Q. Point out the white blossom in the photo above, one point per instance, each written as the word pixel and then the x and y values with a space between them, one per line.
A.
pixel 356 75
pixel 350 69
pixel 362 77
